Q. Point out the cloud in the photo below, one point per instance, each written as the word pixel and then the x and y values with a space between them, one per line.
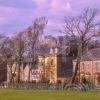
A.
pixel 41 3
pixel 52 23
pixel 67 7
pixel 18 3
pixel 3 20
pixel 15 15
pixel 8 10
pixel 52 7
pixel 7 14
pixel 53 27
pixel 55 4
pixel 59 7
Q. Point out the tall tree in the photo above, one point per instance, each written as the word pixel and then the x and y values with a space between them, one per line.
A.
pixel 5 54
pixel 82 27
pixel 34 34
pixel 18 49
pixel 23 43
pixel 34 37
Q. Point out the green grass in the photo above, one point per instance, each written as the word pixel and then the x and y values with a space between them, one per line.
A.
pixel 8 94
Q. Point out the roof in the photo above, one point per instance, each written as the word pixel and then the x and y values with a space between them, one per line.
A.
pixel 92 55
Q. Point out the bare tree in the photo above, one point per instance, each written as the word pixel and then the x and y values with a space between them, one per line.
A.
pixel 14 49
pixel 34 33
pixel 5 53
pixel 11 51
pixel 11 70
pixel 19 49
pixel 82 27
pixel 34 37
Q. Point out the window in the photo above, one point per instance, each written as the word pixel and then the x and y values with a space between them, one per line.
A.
pixel 52 61
pixel 82 66
pixel 63 59
pixel 87 67
pixel 97 66
pixel 41 62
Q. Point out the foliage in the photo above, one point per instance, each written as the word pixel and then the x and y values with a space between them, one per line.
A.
pixel 45 80
pixel 77 87
pixel 59 81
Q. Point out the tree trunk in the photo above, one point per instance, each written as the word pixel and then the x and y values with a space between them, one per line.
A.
pixel 29 65
pixel 19 65
pixel 77 66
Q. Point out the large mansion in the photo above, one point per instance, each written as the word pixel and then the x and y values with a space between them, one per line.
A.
pixel 51 67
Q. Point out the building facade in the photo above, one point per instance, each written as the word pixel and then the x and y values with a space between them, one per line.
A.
pixel 90 70
pixel 50 68
pixel 90 67
pixel 55 68
pixel 27 72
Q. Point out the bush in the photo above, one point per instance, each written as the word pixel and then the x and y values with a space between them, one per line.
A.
pixel 33 81
pixel 59 81
pixel 44 80
pixel 77 87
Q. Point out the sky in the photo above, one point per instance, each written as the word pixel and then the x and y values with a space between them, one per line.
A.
pixel 16 15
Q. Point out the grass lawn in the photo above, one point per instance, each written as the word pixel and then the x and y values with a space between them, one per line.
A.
pixel 8 94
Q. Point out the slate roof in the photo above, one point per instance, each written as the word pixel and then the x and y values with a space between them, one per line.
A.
pixel 92 55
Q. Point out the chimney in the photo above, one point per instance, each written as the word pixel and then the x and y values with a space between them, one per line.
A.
pixel 56 50
pixel 51 51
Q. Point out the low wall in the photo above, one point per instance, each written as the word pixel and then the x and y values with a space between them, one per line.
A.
pixel 39 86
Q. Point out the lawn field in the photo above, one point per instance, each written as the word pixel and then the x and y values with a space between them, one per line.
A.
pixel 8 94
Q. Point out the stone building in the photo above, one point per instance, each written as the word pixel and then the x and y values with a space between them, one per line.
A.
pixel 51 67
pixel 12 72
pixel 28 72
pixel 55 67
pixel 90 67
